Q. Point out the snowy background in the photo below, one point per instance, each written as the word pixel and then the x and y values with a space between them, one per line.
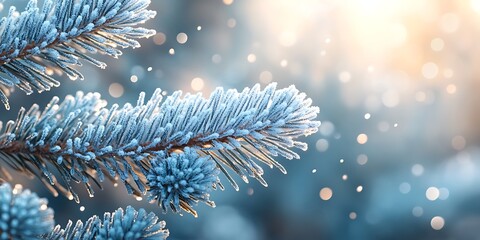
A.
pixel 398 86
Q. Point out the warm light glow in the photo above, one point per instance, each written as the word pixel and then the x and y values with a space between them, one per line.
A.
pixel 449 22
pixel 437 223
pixel 287 38
pixel 326 193
pixel 266 77
pixel 420 96
pixel 362 138
pixel 197 84
pixel 432 193
pixel 429 70
pixel 182 38
pixel 390 98
pixel 159 38
pixel 475 5
pixel 344 76
pixel 251 58
pixel 448 73
pixel 133 78
pixel 437 44
pixel 116 90
pixel 451 89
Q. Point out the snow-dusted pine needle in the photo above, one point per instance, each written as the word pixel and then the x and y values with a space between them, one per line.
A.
pixel 61 34
pixel 81 140
pixel 129 225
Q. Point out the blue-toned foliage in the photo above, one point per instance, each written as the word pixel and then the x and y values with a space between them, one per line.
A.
pixel 132 225
pixel 80 231
pixel 127 225
pixel 62 33
pixel 81 140
pixel 182 179
pixel 23 215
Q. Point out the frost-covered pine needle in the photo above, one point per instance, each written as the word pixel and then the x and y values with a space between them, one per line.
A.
pixel 81 140
pixel 127 225
pixel 40 41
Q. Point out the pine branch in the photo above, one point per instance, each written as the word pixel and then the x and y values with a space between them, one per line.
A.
pixel 128 224
pixel 60 34
pixel 81 140
pixel 26 216
pixel 23 214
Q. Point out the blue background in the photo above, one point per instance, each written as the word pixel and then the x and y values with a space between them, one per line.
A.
pixel 409 65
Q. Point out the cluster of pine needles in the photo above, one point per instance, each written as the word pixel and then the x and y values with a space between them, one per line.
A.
pixel 171 150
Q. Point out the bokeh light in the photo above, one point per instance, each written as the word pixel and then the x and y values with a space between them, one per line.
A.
pixel 326 193
pixel 397 82
pixel 437 223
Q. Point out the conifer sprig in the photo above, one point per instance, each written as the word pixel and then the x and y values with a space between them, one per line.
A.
pixel 62 34
pixel 128 224
pixel 81 140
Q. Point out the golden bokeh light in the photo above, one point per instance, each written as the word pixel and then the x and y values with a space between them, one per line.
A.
pixel 362 138
pixel 326 193
pixel 197 84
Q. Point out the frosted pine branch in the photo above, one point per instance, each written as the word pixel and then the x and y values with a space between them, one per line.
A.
pixel 81 140
pixel 61 34
pixel 26 216
pixel 128 224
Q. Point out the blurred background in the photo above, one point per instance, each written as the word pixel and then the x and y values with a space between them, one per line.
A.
pixel 397 83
